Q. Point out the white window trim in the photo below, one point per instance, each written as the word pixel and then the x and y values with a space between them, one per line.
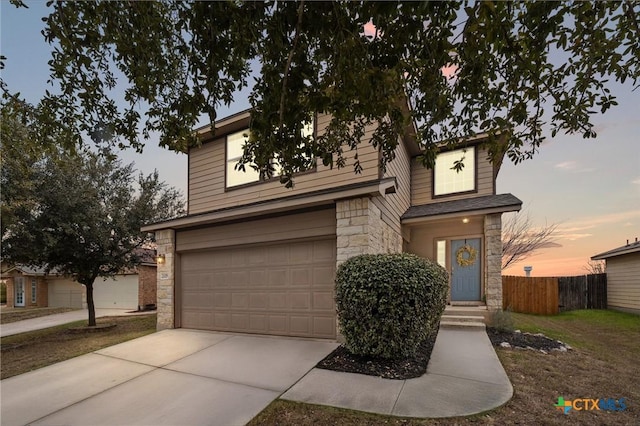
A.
pixel 470 167
pixel 234 161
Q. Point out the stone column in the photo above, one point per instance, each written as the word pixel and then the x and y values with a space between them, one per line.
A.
pixel 360 229
pixel 352 228
pixel 166 241
pixel 493 260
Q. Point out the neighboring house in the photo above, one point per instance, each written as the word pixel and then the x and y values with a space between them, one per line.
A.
pixel 623 277
pixel 252 256
pixel 31 287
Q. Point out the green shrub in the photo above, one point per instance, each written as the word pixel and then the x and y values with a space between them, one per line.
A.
pixel 388 304
pixel 501 320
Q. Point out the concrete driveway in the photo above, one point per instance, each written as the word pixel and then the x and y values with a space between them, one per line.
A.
pixel 172 377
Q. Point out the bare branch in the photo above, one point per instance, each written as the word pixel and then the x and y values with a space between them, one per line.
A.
pixel 520 239
pixel 595 267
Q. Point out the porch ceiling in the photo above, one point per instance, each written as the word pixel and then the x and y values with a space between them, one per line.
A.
pixel 487 204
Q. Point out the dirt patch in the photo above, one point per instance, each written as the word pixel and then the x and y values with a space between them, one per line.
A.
pixel 95 329
pixel 9 315
pixel 408 368
pixel 28 351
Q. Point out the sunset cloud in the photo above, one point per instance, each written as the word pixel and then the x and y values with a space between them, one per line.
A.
pixel 573 166
pixel 586 227
pixel 573 237
pixel 618 217
pixel 566 165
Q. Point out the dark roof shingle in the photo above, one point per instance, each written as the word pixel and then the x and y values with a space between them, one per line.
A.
pixel 619 251
pixel 508 202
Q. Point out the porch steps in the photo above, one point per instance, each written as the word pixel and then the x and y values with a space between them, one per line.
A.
pixel 464 317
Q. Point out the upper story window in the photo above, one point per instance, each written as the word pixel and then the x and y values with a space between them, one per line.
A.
pixel 235 143
pixel 447 180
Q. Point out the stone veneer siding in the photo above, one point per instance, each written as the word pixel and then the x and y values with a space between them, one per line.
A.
pixel 166 242
pixel 361 230
pixel 493 260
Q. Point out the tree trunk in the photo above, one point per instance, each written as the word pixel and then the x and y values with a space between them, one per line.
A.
pixel 90 305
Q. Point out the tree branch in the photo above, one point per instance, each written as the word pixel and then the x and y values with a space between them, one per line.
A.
pixel 289 60
pixel 520 240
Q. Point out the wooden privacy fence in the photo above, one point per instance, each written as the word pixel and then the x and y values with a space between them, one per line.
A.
pixel 550 295
pixel 530 295
pixel 582 292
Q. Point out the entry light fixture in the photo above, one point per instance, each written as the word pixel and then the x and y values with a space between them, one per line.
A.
pixel 465 220
pixel 160 259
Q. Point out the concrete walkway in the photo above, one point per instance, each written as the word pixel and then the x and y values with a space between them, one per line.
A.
pixel 59 319
pixel 191 377
pixel 464 377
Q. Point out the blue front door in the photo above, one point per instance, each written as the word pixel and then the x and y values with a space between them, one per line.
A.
pixel 465 269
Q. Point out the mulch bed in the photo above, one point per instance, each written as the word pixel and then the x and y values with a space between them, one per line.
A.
pixel 400 369
pixel 518 340
pixel 342 360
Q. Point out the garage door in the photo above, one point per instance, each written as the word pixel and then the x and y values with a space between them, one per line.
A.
pixel 119 294
pixel 281 288
pixel 64 293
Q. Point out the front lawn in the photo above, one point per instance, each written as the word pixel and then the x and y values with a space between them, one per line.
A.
pixel 9 315
pixel 603 364
pixel 36 349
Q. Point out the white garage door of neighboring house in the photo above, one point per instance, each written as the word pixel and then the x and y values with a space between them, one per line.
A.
pixel 271 276
pixel 64 293
pixel 119 294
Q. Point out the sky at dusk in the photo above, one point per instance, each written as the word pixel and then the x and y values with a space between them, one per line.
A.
pixel 589 187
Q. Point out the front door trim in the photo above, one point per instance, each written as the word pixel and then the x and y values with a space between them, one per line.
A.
pixel 19 291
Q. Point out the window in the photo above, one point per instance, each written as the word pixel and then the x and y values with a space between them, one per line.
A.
pixel 235 143
pixel 446 180
pixel 34 290
pixel 441 253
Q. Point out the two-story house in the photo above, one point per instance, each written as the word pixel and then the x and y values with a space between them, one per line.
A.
pixel 252 256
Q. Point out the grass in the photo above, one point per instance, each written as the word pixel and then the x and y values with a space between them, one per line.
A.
pixel 28 351
pixel 597 331
pixel 9 315
pixel 604 364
